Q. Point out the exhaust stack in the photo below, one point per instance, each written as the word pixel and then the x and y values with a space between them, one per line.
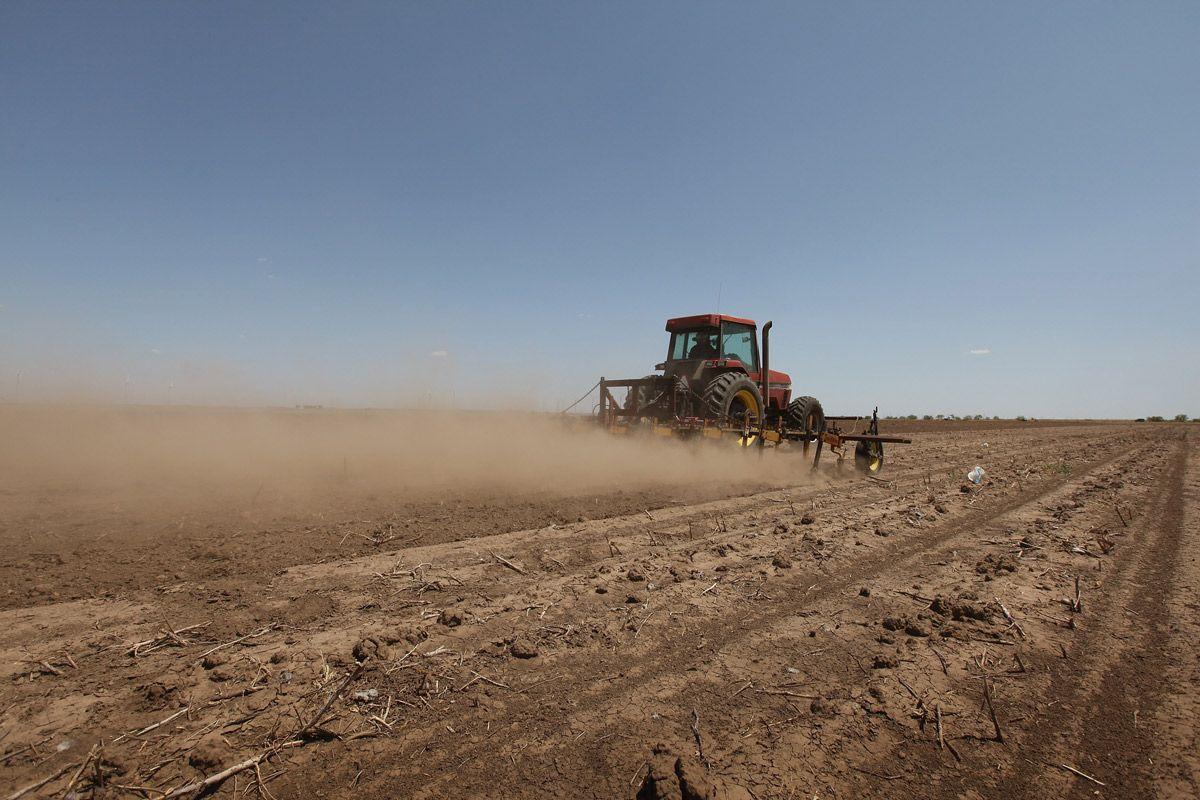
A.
pixel 765 377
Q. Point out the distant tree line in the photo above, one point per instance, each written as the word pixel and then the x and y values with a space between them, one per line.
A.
pixel 944 416
pixel 1023 418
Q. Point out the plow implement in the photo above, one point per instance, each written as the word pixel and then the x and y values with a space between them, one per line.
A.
pixel 621 419
pixel 714 387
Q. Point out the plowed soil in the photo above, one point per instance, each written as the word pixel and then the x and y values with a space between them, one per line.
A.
pixel 746 630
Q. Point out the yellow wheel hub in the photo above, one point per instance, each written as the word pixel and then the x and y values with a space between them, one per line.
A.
pixel 868 456
pixel 752 414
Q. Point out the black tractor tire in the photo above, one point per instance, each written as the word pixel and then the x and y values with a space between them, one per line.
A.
pixel 728 396
pixel 806 414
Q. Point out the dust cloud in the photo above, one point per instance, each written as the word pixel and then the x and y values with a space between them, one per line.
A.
pixel 298 459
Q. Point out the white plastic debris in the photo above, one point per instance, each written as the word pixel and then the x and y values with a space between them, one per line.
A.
pixel 976 475
pixel 366 695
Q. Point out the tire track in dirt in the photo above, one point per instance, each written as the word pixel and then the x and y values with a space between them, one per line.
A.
pixel 1177 719
pixel 902 567
pixel 1045 684
pixel 1020 672
pixel 666 661
pixel 1106 699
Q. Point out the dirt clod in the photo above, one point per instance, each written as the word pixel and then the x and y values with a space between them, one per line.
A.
pixel 918 627
pixel 221 674
pixel 412 634
pixel 452 617
pixel 157 694
pixel 371 647
pixel 523 647
pixel 994 565
pixel 962 608
pixel 673 777
pixel 781 561
pixel 823 707
pixel 209 754
pixel 215 659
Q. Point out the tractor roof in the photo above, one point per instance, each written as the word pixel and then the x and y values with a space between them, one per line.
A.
pixel 703 321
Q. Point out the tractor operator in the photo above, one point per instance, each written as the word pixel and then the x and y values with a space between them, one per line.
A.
pixel 705 347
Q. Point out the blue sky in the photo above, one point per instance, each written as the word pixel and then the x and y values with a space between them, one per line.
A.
pixel 379 204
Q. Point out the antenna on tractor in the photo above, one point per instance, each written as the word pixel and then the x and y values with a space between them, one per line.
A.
pixel 720 286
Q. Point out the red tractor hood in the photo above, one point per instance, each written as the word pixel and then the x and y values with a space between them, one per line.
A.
pixel 777 378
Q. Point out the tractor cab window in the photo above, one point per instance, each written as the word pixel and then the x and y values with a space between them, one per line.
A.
pixel 694 344
pixel 737 341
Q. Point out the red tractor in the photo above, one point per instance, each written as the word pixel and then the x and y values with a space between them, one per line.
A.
pixel 713 371
pixel 716 381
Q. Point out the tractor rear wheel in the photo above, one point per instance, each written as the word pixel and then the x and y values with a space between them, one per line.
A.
pixel 806 414
pixel 732 397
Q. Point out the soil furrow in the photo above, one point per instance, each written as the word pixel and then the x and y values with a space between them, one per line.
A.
pixel 1108 697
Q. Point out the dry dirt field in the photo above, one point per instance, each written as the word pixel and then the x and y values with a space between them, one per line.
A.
pixel 363 605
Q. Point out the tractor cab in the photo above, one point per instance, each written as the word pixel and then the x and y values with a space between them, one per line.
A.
pixel 728 340
pixel 706 345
